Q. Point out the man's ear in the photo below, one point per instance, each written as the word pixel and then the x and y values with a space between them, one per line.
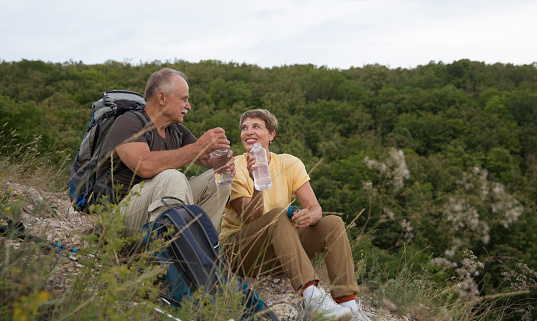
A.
pixel 161 98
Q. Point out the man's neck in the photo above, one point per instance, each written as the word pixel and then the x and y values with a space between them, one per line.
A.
pixel 157 118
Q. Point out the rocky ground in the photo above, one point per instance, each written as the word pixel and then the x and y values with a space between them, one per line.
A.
pixel 51 215
pixel 278 294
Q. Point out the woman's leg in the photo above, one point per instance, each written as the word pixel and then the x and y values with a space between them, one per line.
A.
pixel 328 236
pixel 269 244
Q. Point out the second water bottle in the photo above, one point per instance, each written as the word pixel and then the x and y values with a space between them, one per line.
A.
pixel 262 180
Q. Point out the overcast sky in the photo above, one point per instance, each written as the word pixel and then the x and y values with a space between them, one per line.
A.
pixel 332 33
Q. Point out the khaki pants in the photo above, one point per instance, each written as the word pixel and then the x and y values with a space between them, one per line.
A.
pixel 143 204
pixel 272 244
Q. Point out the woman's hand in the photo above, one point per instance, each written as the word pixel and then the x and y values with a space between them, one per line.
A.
pixel 250 165
pixel 305 218
pixel 312 212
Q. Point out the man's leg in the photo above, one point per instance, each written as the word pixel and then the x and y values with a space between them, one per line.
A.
pixel 143 204
pixel 211 197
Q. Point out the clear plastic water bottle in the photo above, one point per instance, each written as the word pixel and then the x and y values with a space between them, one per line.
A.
pixel 262 180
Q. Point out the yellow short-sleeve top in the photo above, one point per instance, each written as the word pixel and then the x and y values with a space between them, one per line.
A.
pixel 288 174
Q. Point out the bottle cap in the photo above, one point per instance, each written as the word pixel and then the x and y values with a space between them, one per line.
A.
pixel 291 210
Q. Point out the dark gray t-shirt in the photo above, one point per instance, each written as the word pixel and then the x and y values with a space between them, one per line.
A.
pixel 126 128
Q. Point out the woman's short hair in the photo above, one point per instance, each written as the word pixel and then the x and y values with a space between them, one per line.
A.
pixel 161 81
pixel 270 120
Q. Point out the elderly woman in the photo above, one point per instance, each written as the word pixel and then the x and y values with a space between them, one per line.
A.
pixel 259 237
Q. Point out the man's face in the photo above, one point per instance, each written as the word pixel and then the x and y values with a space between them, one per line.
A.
pixel 178 105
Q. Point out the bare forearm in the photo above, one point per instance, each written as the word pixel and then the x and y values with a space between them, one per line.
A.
pixel 153 163
pixel 255 208
pixel 249 208
pixel 312 211
pixel 316 213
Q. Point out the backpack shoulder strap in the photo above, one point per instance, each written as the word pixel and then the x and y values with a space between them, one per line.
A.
pixel 177 128
pixel 149 134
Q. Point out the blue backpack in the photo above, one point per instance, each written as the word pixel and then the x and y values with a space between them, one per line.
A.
pixel 193 258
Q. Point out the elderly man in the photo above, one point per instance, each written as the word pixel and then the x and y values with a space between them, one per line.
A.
pixel 150 169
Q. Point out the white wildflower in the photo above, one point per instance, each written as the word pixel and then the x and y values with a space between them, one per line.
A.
pixel 401 172
pixel 408 230
pixel 484 232
pixel 387 215
pixel 456 243
pixel 440 261
pixel 394 169
pixel 505 204
pixel 466 285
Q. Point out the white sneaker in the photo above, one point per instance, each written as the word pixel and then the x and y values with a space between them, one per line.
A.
pixel 358 314
pixel 322 303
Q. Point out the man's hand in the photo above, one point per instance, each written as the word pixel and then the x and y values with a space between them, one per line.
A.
pixel 230 165
pixel 212 140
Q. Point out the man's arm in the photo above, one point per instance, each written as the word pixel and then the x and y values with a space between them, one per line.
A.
pixel 145 163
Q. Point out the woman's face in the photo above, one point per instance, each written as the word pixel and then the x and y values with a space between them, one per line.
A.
pixel 254 130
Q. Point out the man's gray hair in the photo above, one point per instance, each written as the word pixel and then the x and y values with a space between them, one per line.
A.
pixel 161 81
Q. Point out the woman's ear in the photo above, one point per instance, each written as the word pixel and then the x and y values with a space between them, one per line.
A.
pixel 271 136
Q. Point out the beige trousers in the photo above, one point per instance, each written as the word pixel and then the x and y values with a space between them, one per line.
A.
pixel 143 204
pixel 272 244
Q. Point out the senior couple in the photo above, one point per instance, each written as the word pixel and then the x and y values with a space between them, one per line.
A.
pixel 257 234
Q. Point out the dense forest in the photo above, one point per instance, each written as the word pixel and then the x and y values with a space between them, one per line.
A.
pixel 441 158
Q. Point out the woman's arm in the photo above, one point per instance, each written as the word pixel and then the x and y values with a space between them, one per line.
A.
pixel 311 210
pixel 249 208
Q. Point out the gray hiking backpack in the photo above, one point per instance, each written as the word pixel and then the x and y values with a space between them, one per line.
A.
pixel 85 188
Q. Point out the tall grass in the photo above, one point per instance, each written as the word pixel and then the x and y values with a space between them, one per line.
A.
pixel 113 279
pixel 25 164
pixel 430 292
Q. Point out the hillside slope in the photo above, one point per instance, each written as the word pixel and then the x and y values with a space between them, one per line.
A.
pixel 51 216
